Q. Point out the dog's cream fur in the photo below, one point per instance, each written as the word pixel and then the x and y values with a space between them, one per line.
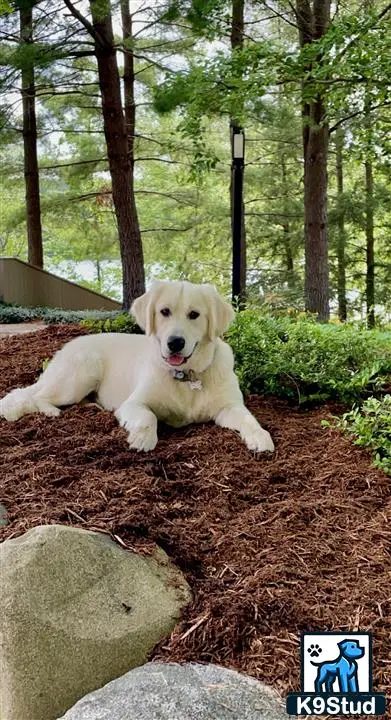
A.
pixel 131 376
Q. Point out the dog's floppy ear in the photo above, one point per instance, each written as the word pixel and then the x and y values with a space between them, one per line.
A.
pixel 344 643
pixel 143 309
pixel 221 313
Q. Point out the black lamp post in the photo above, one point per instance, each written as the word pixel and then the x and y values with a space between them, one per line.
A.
pixel 237 219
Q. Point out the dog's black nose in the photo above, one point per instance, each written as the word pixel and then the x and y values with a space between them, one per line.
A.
pixel 175 344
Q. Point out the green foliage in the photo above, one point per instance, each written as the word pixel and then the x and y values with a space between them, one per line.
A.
pixel 17 314
pixel 34 55
pixel 303 360
pixel 208 18
pixel 122 323
pixel 370 426
pixel 5 7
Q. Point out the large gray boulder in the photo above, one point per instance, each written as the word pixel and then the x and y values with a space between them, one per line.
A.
pixel 159 691
pixel 76 611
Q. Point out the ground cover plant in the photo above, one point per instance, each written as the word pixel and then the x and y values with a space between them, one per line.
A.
pixel 370 426
pixel 18 314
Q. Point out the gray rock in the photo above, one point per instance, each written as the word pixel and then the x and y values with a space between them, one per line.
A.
pixel 77 611
pixel 3 516
pixel 159 691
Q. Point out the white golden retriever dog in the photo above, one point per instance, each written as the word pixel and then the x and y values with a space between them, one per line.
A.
pixel 180 372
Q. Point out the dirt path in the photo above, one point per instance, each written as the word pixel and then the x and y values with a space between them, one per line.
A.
pixel 20 328
pixel 272 546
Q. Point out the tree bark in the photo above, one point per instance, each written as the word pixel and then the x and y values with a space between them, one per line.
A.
pixel 128 78
pixel 313 23
pixel 99 275
pixel 341 236
pixel 290 268
pixel 370 245
pixel 31 173
pixel 237 30
pixel 133 280
pixel 369 216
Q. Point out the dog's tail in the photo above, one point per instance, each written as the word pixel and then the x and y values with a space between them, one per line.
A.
pixel 23 401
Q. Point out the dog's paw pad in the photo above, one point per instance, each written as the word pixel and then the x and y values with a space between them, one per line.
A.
pixel 314 650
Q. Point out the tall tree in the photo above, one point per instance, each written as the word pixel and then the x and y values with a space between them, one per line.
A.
pixel 128 77
pixel 116 136
pixel 313 21
pixel 31 173
pixel 369 223
pixel 341 235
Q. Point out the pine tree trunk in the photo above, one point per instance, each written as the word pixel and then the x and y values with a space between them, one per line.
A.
pixel 313 24
pixel 369 209
pixel 370 245
pixel 290 268
pixel 237 29
pixel 133 279
pixel 31 173
pixel 289 264
pixel 99 275
pixel 369 219
pixel 315 211
pixel 128 77
pixel 341 237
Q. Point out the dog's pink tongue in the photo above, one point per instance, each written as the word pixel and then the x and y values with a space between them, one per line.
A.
pixel 175 359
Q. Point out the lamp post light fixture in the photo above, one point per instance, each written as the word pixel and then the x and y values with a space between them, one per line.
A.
pixel 237 219
pixel 238 144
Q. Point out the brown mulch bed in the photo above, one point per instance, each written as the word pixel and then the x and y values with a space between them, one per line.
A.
pixel 272 546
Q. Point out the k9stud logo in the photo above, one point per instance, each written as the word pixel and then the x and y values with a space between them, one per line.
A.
pixel 336 676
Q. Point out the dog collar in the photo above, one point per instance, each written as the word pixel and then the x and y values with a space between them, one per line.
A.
pixel 189 376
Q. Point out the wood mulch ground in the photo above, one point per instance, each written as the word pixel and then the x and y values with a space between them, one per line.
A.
pixel 272 546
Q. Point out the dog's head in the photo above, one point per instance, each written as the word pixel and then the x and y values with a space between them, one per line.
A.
pixel 351 649
pixel 183 317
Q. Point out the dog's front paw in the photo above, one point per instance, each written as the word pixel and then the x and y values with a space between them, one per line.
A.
pixel 142 438
pixel 259 440
pixel 141 426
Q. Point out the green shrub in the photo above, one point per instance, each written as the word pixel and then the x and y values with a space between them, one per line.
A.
pixel 370 426
pixel 18 314
pixel 122 323
pixel 308 361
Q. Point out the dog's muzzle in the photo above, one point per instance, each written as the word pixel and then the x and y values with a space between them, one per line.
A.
pixel 175 359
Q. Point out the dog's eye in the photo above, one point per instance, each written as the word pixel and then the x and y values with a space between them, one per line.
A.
pixel 193 315
pixel 166 312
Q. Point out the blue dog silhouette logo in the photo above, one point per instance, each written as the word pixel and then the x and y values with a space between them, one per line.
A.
pixel 336 676
pixel 343 670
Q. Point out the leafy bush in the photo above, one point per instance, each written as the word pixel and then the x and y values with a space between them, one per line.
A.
pixel 122 323
pixel 17 314
pixel 370 426
pixel 301 359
